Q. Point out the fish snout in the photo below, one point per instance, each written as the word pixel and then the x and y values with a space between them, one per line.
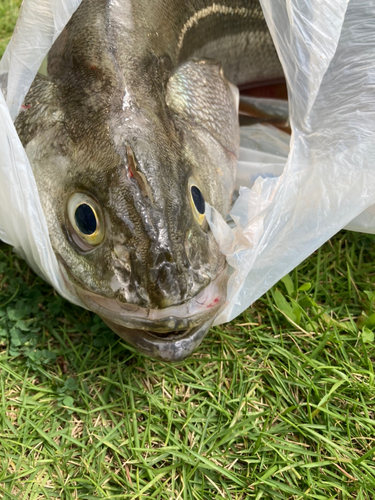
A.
pixel 172 283
pixel 157 283
pixel 168 285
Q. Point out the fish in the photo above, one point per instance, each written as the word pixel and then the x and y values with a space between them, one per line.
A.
pixel 131 135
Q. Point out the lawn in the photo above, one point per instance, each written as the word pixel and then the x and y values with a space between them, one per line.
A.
pixel 279 404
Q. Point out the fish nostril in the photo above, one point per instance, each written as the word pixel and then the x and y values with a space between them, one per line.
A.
pixel 168 257
pixel 122 255
pixel 163 258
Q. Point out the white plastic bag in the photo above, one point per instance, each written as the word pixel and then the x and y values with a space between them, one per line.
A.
pixel 328 55
pixel 22 222
pixel 293 203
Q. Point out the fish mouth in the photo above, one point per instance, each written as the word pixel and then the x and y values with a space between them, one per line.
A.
pixel 169 334
pixel 174 346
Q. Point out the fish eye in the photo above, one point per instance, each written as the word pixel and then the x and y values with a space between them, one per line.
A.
pixel 197 202
pixel 86 220
pixel 198 199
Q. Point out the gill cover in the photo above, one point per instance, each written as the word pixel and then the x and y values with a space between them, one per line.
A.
pixel 199 94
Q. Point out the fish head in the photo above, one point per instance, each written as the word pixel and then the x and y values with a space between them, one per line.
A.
pixel 124 187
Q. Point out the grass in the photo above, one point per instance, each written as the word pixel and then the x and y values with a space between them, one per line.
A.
pixel 8 16
pixel 279 404
pixel 264 409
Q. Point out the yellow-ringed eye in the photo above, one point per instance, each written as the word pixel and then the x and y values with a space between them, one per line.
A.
pixel 197 202
pixel 86 220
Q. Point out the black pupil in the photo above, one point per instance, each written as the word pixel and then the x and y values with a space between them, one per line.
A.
pixel 85 219
pixel 198 199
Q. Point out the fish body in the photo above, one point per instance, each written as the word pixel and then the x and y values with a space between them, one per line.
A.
pixel 132 133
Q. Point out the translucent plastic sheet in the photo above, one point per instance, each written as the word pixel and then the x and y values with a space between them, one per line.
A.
pixel 328 54
pixel 39 24
pixel 295 200
pixel 22 222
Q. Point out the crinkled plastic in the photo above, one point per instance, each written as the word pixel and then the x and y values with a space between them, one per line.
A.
pixel 299 190
pixel 327 49
pixel 22 222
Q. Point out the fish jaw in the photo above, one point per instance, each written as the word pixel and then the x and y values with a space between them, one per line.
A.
pixel 169 350
pixel 170 334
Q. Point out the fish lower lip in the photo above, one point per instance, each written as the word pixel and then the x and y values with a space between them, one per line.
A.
pixel 174 346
